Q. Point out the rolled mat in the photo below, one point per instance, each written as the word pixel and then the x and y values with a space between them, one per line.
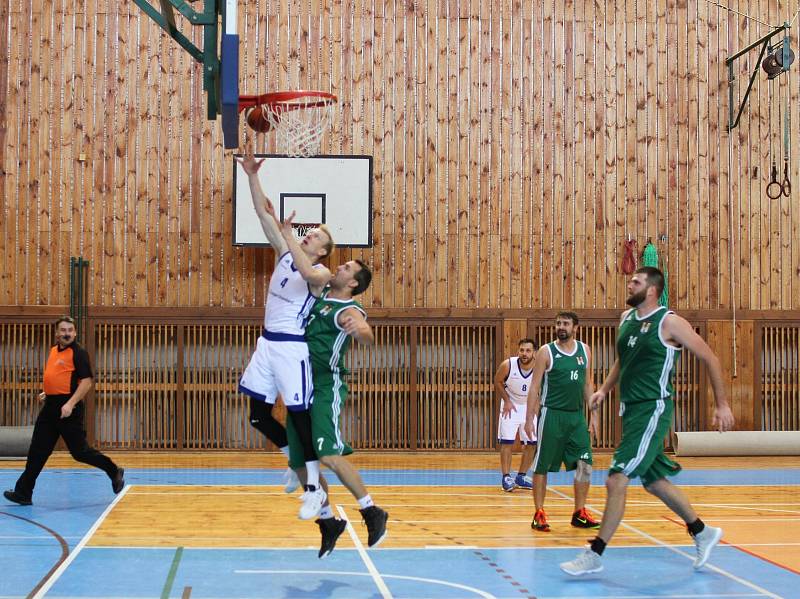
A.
pixel 737 443
pixel 15 441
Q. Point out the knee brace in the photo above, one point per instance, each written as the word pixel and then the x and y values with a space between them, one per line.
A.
pixel 262 420
pixel 583 473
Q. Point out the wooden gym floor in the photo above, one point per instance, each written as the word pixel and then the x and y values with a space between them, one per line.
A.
pixel 219 525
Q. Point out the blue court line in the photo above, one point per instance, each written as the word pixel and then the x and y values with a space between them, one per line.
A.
pixel 439 478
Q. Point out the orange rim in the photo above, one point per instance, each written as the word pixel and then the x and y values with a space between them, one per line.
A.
pixel 288 100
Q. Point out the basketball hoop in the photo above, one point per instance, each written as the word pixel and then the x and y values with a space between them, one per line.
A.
pixel 299 118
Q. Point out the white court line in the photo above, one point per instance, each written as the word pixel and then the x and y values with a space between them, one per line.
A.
pixel 562 520
pixel 692 596
pixel 74 553
pixel 454 585
pixel 376 576
pixel 708 566
pixel 743 507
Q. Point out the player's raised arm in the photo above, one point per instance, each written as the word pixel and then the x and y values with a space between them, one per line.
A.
pixel 262 204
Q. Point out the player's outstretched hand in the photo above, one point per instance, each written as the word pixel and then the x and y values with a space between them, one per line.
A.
pixel 249 163
pixel 722 419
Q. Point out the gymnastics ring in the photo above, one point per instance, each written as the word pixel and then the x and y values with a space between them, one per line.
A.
pixel 778 193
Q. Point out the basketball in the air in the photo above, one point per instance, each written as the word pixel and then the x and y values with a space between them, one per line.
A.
pixel 257 120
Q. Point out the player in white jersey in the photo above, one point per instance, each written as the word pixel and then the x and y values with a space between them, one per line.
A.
pixel 281 363
pixel 512 382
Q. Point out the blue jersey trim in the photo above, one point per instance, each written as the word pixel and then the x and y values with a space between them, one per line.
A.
pixel 271 336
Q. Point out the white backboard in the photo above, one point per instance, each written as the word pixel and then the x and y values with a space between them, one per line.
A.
pixel 335 190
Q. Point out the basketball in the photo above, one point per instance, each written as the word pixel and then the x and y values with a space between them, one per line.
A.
pixel 257 120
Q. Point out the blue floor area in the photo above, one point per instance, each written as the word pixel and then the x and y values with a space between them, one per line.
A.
pixel 445 574
pixel 235 476
pixel 70 501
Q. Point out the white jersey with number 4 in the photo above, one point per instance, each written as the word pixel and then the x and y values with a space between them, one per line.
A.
pixel 289 300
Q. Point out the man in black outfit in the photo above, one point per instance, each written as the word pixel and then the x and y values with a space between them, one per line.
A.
pixel 67 380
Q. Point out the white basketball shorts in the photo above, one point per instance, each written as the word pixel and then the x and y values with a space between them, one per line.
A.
pixel 279 367
pixel 508 428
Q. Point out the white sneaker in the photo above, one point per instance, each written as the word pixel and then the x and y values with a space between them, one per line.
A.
pixel 312 504
pixel 705 542
pixel 586 563
pixel 290 481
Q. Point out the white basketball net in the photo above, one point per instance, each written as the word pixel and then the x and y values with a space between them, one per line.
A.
pixel 299 130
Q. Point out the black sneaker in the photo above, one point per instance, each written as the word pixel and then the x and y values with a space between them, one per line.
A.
pixel 12 495
pixel 375 519
pixel 331 529
pixel 118 482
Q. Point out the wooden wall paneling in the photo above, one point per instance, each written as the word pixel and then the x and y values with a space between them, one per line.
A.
pixel 386 195
pixel 12 98
pixel 793 378
pixel 791 209
pixel 28 241
pixel 512 331
pixel 343 73
pixel 413 251
pixel 596 55
pixel 536 141
pixel 414 398
pixel 647 168
pixel 789 230
pixel 462 170
pixel 53 253
pixel 758 391
pixel 483 148
pixel 518 247
pixel 777 236
pixel 763 131
pixel 628 202
pixel 493 256
pixel 5 91
pixel 724 141
pixel 575 130
pixel 110 84
pixel 606 284
pixel 719 337
pixel 716 149
pixel 179 423
pixel 577 202
pixel 695 272
pixel 453 279
pixel 549 124
pixel 655 96
pixel 620 198
pixel 377 102
pixel 750 189
pixel 403 250
pixel 502 56
pixel 682 201
pixel 431 195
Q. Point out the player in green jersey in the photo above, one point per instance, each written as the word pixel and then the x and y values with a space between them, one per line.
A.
pixel 648 342
pixel 335 319
pixel 561 386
